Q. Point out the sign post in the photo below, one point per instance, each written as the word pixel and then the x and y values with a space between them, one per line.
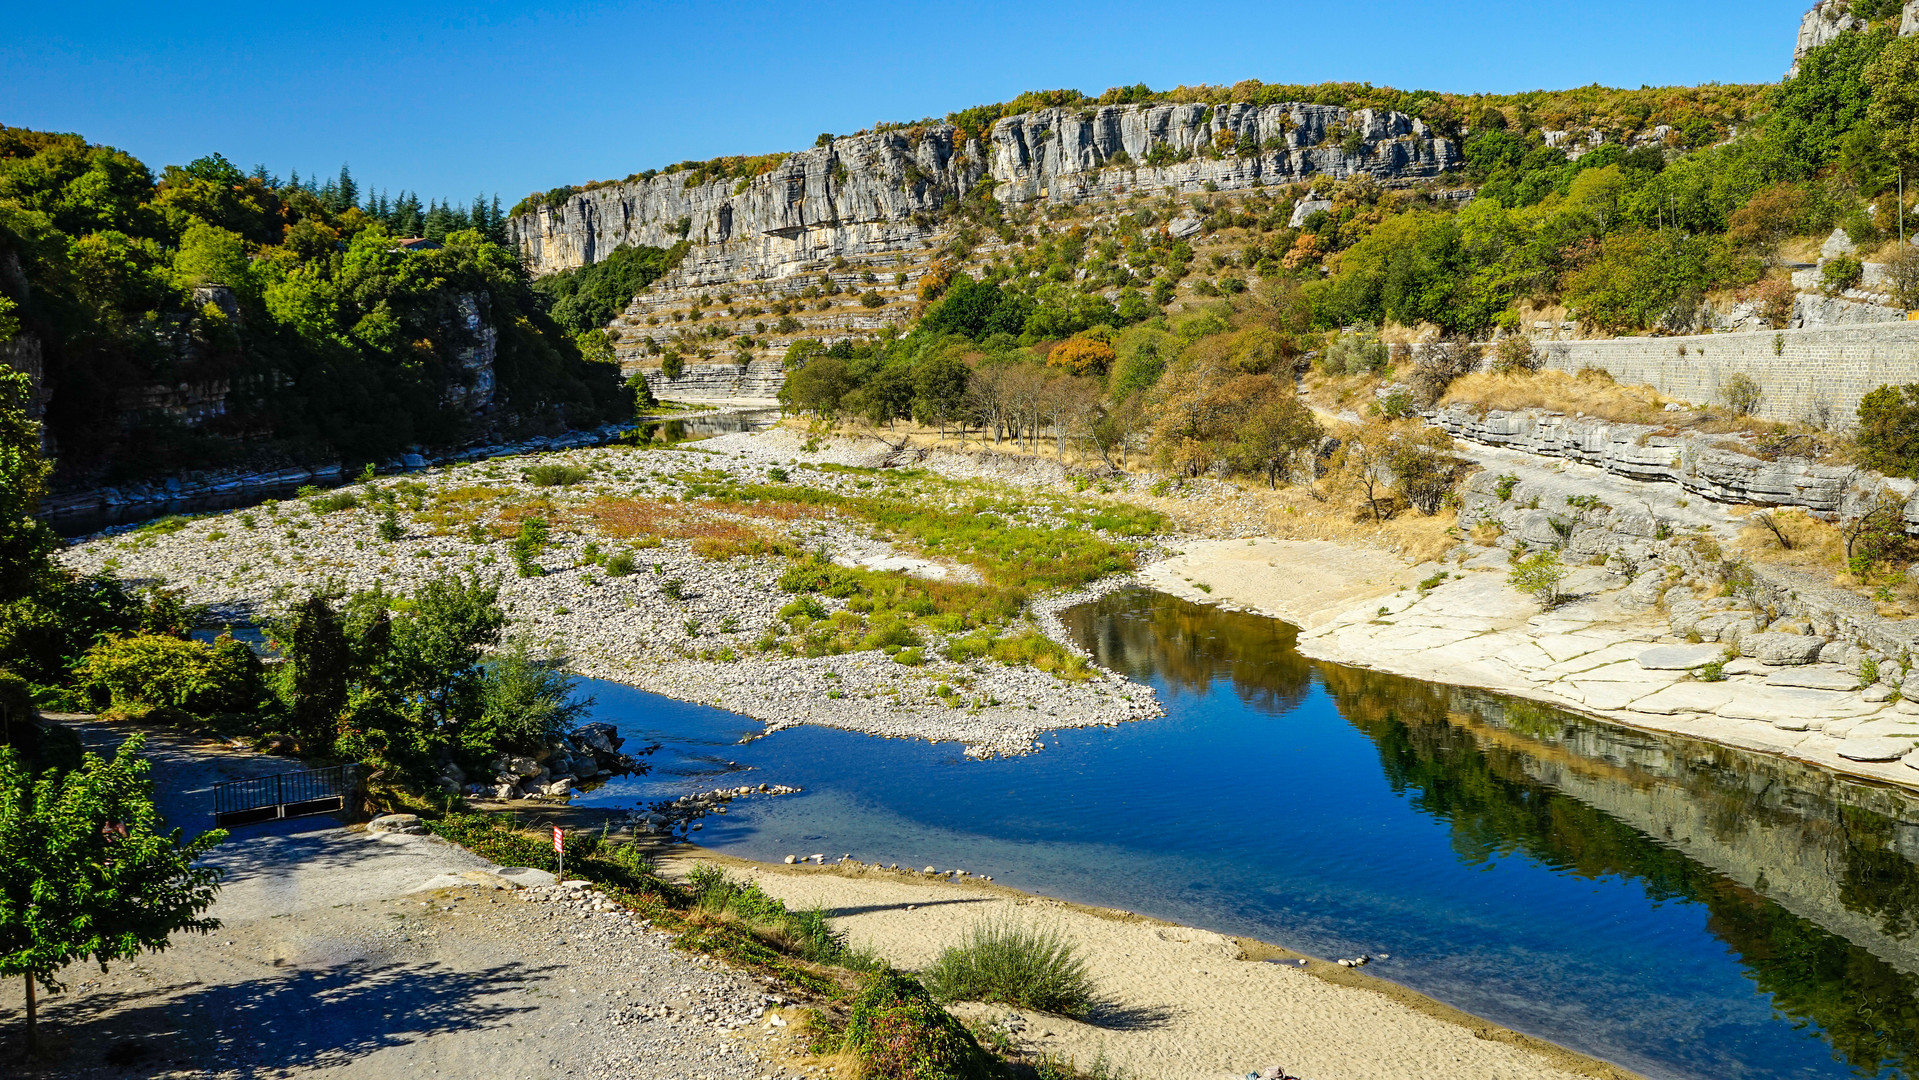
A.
pixel 559 850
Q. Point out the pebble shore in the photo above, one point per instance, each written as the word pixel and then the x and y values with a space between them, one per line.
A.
pixel 679 625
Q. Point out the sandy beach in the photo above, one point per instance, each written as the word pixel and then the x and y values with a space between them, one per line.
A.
pixel 1184 1004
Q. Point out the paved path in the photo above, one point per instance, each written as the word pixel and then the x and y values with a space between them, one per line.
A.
pixel 331 960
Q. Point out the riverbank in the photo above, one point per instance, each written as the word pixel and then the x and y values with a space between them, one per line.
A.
pixel 1184 1003
pixel 1610 653
pixel 663 570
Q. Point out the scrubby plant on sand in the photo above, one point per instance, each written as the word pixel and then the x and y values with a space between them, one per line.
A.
pixel 899 1032
pixel 1031 967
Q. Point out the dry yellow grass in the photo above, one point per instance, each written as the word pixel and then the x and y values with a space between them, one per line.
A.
pixel 1591 392
pixel 1815 545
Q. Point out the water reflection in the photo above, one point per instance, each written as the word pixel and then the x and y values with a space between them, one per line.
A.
pixel 1807 878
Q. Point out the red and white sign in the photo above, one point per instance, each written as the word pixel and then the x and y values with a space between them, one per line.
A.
pixel 559 842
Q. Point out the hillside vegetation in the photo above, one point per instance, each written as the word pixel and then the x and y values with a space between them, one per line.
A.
pixel 204 315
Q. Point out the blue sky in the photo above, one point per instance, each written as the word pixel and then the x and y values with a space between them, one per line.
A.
pixel 506 98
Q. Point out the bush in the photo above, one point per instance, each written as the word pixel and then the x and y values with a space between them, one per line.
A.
pixel 390 528
pixel 672 365
pixel 871 298
pixel 1539 576
pixel 899 1033
pixel 1354 354
pixel 158 671
pixel 1888 434
pixel 1014 965
pixel 1741 394
pixel 339 500
pixel 1515 353
pixel 555 474
pixel 1840 273
pixel 525 702
pixel 527 546
pixel 619 564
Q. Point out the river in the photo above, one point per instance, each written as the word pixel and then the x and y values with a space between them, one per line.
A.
pixel 1680 908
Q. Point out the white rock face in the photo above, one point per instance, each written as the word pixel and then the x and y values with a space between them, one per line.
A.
pixel 870 193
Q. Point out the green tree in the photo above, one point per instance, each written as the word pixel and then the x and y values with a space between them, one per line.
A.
pixel 818 387
pixel 1814 110
pixel 436 645
pixel 25 540
pixel 1894 111
pixel 939 390
pixel 320 659
pixel 87 870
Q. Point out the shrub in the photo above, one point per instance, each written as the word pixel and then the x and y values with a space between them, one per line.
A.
pixel 1840 273
pixel 871 298
pixel 817 575
pixel 555 474
pixel 898 1031
pixel 1741 394
pixel 1539 575
pixel 673 589
pixel 672 365
pixel 619 564
pixel 1515 353
pixel 339 500
pixel 1888 434
pixel 1354 354
pixel 1010 964
pixel 527 546
pixel 159 671
pixel 390 528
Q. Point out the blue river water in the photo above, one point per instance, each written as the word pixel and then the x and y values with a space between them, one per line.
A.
pixel 1643 899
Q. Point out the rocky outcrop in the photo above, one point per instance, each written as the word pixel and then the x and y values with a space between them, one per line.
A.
pixel 1696 463
pixel 879 192
pixel 1830 18
pixel 757 381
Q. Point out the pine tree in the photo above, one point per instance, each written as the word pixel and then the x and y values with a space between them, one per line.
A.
pixel 86 871
pixel 496 223
pixel 321 658
pixel 438 219
pixel 349 191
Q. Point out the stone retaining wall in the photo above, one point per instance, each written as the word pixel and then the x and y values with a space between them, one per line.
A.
pixel 1799 370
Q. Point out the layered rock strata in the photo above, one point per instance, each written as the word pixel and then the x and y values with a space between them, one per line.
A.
pixel 878 192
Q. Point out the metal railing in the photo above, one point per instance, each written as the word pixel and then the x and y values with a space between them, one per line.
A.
pixel 283 795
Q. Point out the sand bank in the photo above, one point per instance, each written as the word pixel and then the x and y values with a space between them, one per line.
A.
pixel 1185 1003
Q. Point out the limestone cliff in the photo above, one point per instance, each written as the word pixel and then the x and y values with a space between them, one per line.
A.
pixel 878 192
pixel 1830 18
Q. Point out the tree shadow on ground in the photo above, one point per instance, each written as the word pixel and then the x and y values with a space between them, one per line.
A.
pixel 316 1018
pixel 1115 1017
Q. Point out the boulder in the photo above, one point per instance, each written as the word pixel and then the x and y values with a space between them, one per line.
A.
pixel 563 786
pixel 521 766
pixel 1781 649
pixel 408 824
pixel 1909 689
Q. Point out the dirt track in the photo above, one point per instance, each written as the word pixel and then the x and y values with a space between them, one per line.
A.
pixel 329 961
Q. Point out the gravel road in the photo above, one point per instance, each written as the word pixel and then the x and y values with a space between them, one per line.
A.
pixel 330 960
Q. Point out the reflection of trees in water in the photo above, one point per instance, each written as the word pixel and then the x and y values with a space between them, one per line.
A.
pixel 1867 1010
pixel 1151 636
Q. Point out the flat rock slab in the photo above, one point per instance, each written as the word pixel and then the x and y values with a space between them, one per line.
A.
pixel 1874 748
pixel 1783 706
pixel 1680 657
pixel 1813 678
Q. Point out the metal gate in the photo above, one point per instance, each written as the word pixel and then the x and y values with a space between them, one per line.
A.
pixel 283 795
